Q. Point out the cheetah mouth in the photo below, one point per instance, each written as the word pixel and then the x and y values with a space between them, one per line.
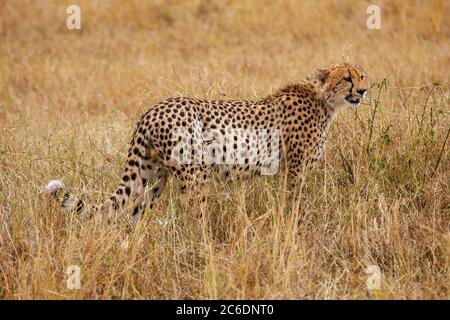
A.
pixel 353 100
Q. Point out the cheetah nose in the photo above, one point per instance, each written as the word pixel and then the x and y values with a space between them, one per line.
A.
pixel 361 91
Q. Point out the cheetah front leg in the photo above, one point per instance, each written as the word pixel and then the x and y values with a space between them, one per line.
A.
pixel 296 178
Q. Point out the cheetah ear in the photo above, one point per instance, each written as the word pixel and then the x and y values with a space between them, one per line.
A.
pixel 321 76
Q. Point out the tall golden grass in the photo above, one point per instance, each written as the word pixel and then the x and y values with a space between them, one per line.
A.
pixel 380 196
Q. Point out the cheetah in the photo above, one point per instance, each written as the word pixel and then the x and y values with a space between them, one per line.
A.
pixel 192 139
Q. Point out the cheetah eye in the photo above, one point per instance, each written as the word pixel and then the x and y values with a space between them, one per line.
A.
pixel 349 79
pixel 363 77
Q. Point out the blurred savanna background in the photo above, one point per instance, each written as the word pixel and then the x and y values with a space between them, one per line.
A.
pixel 378 200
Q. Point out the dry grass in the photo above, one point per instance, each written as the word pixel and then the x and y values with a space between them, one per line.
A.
pixel 68 100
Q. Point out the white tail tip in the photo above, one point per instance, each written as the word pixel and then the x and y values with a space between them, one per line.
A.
pixel 53 186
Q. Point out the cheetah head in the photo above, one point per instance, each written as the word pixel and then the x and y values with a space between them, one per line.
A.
pixel 342 84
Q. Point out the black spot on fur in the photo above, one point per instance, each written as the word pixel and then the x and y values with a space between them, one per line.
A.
pixel 79 206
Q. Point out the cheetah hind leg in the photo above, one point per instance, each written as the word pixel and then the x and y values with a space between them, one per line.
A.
pixel 192 186
pixel 140 171
pixel 156 181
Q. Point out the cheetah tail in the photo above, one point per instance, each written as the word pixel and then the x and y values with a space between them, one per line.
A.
pixel 65 197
